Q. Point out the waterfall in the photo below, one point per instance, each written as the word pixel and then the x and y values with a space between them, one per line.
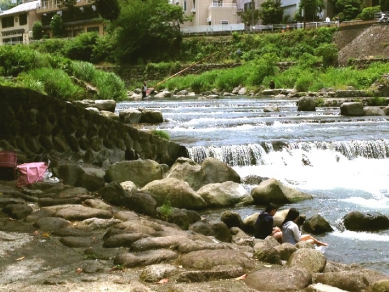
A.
pixel 259 154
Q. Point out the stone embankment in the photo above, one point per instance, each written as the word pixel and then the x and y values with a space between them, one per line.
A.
pixel 33 125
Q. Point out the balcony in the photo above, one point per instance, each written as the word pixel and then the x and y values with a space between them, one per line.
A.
pixel 54 5
pixel 225 5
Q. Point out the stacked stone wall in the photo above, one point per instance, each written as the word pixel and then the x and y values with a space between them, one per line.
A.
pixel 35 124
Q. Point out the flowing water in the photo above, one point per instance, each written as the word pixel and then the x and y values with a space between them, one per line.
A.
pixel 342 161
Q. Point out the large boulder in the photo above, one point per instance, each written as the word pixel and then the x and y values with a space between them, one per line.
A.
pixel 282 279
pixel 373 111
pixel 150 116
pixel 358 221
pixel 211 171
pixel 140 172
pixel 231 219
pixel 317 225
pixel 308 258
pixel 188 170
pixel 216 171
pixel 225 194
pixel 306 103
pixel 352 109
pixel 130 116
pixel 175 191
pixel 272 190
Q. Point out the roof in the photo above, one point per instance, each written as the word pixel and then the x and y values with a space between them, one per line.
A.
pixel 21 8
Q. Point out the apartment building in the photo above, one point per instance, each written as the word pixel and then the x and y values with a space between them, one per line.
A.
pixel 209 12
pixel 78 19
pixel 17 22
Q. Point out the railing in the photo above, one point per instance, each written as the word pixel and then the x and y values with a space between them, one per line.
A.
pixel 211 29
pixel 50 5
pixel 227 5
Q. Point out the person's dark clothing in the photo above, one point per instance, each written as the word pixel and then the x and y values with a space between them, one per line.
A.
pixel 272 85
pixel 263 226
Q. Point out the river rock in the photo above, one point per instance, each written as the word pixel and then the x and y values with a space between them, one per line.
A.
pixel 317 225
pixel 358 221
pixel 306 103
pixel 51 223
pixel 130 116
pixel 285 250
pixel 373 111
pixel 177 192
pixel 216 171
pixel 380 286
pixel 231 219
pixel 272 190
pixel 354 280
pixel 267 254
pixel 144 258
pixel 78 212
pixel 188 170
pixel 150 116
pixel 140 172
pixel 154 273
pixel 319 287
pixel 225 194
pixel 275 279
pixel 215 274
pixel 308 258
pixel 352 109
pixel 17 211
pixel 122 240
pixel 207 259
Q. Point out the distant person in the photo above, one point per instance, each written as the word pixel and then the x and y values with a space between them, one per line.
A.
pixel 291 232
pixel 328 19
pixel 144 90
pixel 272 85
pixel 264 225
pixel 382 19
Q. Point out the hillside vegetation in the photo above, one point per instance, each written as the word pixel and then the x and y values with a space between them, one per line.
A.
pixel 64 68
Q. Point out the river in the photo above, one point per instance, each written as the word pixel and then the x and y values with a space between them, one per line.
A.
pixel 346 159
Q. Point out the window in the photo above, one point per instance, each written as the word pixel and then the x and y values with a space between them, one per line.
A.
pixel 184 5
pixel 92 29
pixel 23 19
pixel 224 22
pixel 7 22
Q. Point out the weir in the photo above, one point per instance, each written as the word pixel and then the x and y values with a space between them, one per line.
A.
pixel 259 154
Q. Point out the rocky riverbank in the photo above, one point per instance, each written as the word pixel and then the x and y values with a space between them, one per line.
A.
pixel 124 236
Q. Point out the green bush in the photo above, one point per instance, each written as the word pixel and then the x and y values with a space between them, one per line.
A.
pixel 83 70
pixel 56 83
pixel 110 86
pixel 377 101
pixel 368 12
pixel 161 134
pixel 265 66
pixel 329 53
pixel 304 82
pixel 81 47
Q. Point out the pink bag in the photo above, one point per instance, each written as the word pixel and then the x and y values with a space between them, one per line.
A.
pixel 30 173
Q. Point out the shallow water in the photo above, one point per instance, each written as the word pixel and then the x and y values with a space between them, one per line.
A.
pixel 346 159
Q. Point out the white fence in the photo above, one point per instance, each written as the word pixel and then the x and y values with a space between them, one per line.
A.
pixel 210 29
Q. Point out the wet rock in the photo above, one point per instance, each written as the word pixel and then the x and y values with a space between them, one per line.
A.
pixel 317 225
pixel 306 103
pixel 352 109
pixel 358 221
pixel 122 240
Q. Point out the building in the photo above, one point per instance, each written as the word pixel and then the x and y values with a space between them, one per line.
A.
pixel 17 22
pixel 209 12
pixel 78 19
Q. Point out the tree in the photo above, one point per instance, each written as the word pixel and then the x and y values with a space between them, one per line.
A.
pixel 148 30
pixel 271 11
pixel 249 17
pixel 5 4
pixel 108 9
pixel 57 26
pixel 309 9
pixel 384 4
pixel 349 8
pixel 37 30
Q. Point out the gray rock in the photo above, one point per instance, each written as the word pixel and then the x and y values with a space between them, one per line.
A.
pixel 274 279
pixel 317 225
pixel 71 241
pixel 272 190
pixel 77 212
pixel 231 219
pixel 310 259
pixel 217 273
pixel 130 116
pixel 319 287
pixel 225 194
pixel 358 221
pixel 140 202
pixel 154 273
pixel 70 173
pixel 267 254
pixel 177 192
pixel 285 250
pixel 140 172
pixel 144 258
pixel 17 211
pixel 208 259
pixel 122 240
pixel 352 109
pixel 157 243
pixel 306 103
pixel 151 117
pixel 51 223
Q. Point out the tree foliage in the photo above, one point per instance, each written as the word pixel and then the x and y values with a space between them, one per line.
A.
pixel 309 9
pixel 249 17
pixel 37 30
pixel 148 30
pixel 57 26
pixel 384 4
pixel 271 12
pixel 368 12
pixel 108 9
pixel 349 8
